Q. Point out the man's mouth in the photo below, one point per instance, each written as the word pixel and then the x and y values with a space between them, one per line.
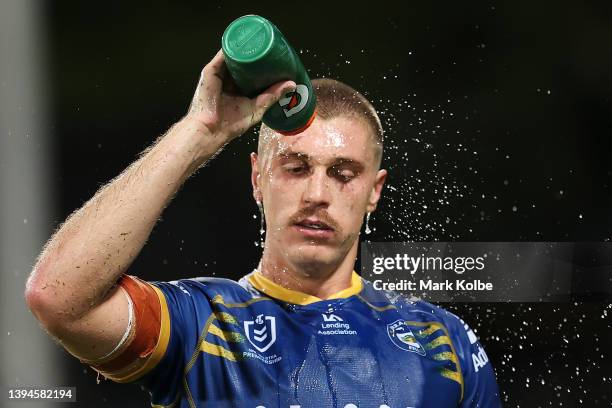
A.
pixel 314 224
pixel 314 229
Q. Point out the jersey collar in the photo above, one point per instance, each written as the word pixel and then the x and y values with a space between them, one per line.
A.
pixel 273 289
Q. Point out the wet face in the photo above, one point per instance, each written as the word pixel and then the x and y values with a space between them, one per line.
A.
pixel 316 188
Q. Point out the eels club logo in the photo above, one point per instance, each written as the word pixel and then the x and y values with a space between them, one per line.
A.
pixel 401 335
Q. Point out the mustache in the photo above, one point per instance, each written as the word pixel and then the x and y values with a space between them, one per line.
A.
pixel 321 215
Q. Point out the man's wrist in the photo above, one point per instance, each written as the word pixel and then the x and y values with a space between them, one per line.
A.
pixel 193 138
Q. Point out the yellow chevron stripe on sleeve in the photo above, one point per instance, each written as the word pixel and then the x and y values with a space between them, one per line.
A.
pixel 437 342
pixel 219 351
pixel 452 375
pixel 218 299
pixel 428 331
pixel 456 376
pixel 226 336
pixel 444 356
pixel 226 317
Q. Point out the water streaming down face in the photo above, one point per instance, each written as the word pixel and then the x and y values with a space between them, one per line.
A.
pixel 316 188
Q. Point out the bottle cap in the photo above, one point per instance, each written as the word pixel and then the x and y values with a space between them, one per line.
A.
pixel 248 39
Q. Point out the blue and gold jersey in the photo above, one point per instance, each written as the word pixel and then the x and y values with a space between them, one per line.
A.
pixel 254 343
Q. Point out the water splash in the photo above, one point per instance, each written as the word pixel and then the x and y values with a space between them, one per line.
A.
pixel 367 224
pixel 262 225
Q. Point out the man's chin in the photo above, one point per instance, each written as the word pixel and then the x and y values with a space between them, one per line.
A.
pixel 313 256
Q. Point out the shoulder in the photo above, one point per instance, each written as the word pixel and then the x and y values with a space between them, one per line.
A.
pixel 440 328
pixel 414 308
pixel 457 328
pixel 205 287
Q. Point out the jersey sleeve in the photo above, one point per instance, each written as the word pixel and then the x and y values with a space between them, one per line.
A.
pixel 480 387
pixel 163 339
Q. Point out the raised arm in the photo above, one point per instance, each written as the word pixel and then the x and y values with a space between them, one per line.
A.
pixel 72 289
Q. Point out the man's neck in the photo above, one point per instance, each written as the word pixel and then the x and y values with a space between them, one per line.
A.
pixel 322 284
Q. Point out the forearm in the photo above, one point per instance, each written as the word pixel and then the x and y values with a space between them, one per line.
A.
pixel 98 242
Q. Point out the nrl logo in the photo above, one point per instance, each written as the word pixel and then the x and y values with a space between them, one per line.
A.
pixel 402 337
pixel 261 332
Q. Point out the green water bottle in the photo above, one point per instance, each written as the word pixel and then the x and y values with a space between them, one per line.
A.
pixel 257 55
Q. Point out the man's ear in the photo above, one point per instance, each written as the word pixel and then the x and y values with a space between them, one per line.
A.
pixel 255 178
pixel 381 176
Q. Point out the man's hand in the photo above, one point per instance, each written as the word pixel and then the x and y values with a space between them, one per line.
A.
pixel 218 105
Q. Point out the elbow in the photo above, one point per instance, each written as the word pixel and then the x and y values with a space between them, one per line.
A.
pixel 41 299
pixel 36 297
pixel 44 309
pixel 36 285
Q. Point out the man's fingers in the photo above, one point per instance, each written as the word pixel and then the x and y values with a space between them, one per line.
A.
pixel 271 95
pixel 210 86
pixel 216 99
pixel 217 64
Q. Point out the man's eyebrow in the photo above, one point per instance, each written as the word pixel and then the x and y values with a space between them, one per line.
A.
pixel 347 160
pixel 289 154
pixel 335 161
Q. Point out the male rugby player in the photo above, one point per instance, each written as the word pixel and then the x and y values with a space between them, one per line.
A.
pixel 303 329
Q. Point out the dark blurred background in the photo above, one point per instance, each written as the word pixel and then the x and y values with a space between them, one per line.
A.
pixel 498 129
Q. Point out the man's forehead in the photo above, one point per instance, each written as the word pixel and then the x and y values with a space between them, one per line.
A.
pixel 337 137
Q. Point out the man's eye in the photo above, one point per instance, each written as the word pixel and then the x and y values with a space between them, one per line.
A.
pixel 295 169
pixel 347 175
pixel 344 175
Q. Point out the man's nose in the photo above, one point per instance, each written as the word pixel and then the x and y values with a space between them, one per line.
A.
pixel 317 189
